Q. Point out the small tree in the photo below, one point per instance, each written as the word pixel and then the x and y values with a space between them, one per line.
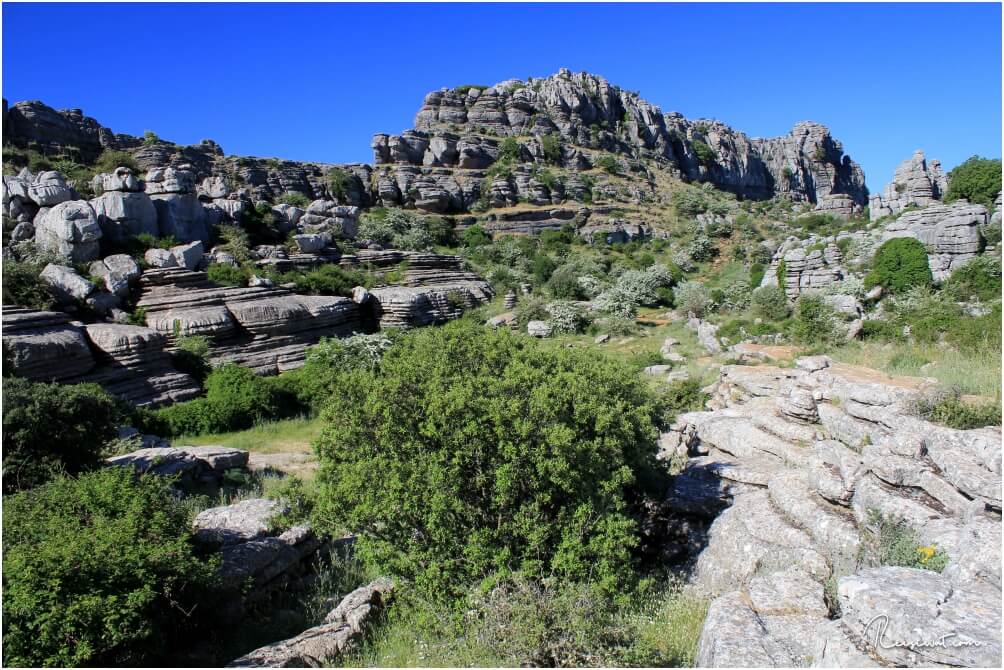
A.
pixel 978 180
pixel 900 264
pixel 340 184
pixel 52 429
pixel 496 455
pixel 770 302
pixel 693 298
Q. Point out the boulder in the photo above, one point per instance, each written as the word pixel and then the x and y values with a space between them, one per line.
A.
pixel 311 243
pixel 181 215
pixel 539 329
pixel 160 258
pixel 321 645
pixel 67 284
pixel 48 189
pixel 23 232
pixel 123 215
pixel 239 522
pixel 69 229
pixel 188 256
pixel 207 464
pixel 119 272
pixel 121 179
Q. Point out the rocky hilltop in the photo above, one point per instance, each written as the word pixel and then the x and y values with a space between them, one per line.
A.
pixel 460 129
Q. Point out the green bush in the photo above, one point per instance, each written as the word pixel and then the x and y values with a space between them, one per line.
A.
pixel 109 160
pixel 22 287
pixel 689 202
pixel 608 164
pixel 496 455
pixel 693 297
pixel 475 236
pixel 900 264
pixel 293 198
pixel 706 156
pixel 52 429
pixel 946 406
pixel 329 279
pixel 236 398
pixel 770 302
pixel 98 570
pixel 891 541
pixel 980 277
pixel 551 146
pixel 226 275
pixel 340 184
pixel 814 322
pixel 542 267
pixel 327 360
pixel 978 180
pixel 192 356
pixel 509 151
pixel 757 271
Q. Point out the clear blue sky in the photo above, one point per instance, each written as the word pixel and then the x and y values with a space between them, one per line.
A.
pixel 314 82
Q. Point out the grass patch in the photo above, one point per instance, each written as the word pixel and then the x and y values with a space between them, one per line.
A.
pixel 289 435
pixel 975 371
pixel 533 624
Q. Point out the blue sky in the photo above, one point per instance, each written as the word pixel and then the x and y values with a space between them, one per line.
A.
pixel 314 82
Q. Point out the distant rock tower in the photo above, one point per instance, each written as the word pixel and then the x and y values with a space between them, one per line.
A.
pixel 916 182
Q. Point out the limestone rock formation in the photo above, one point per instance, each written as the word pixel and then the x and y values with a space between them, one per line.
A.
pixel 916 182
pixel 191 465
pixel 129 361
pixel 321 645
pixel 950 232
pixel 69 229
pixel 179 212
pixel 803 461
pixel 457 130
pixel 123 209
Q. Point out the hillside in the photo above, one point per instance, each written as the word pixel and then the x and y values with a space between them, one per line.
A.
pixel 559 379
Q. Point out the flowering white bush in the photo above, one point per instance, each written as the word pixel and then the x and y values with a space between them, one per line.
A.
pixel 616 302
pixel 737 296
pixel 591 286
pixel 566 317
pixel 850 285
pixel 693 297
pixel 682 260
pixel 642 285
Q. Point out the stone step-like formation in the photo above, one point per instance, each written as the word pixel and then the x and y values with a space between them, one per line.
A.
pixel 950 232
pixel 129 361
pixel 915 182
pixel 801 460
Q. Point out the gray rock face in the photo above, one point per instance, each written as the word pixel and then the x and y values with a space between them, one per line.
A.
pixel 239 522
pixel 48 189
pixel 66 283
pixel 804 270
pixel 44 346
pixel 321 645
pixel 69 229
pixel 122 180
pixel 310 243
pixel 801 459
pixel 192 464
pixel 916 182
pixel 539 329
pixel 160 258
pixel 188 256
pixel 951 233
pixel 122 214
pixel 916 618
pixel 456 130
pixel 119 272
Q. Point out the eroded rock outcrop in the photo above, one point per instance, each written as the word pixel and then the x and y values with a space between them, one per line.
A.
pixel 321 645
pixel 950 232
pixel 804 463
pixel 916 182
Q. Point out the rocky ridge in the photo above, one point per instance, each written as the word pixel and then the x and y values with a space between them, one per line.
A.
pixel 795 468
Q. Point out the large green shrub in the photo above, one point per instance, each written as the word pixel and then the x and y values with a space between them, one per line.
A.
pixel 236 398
pixel 900 264
pixel 51 429
pixel 493 455
pixel 815 322
pixel 693 298
pixel 98 570
pixel 327 360
pixel 770 302
pixel 978 180
pixel 980 277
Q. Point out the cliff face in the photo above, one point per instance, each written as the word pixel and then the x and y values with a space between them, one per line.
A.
pixel 459 128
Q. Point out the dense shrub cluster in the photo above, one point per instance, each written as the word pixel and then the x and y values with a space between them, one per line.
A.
pixel 404 230
pixel 979 278
pixel 900 264
pixel 98 570
pixel 331 357
pixel 236 398
pixel 496 456
pixel 693 298
pixel 53 429
pixel 770 302
pixel 978 180
pixel 815 322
